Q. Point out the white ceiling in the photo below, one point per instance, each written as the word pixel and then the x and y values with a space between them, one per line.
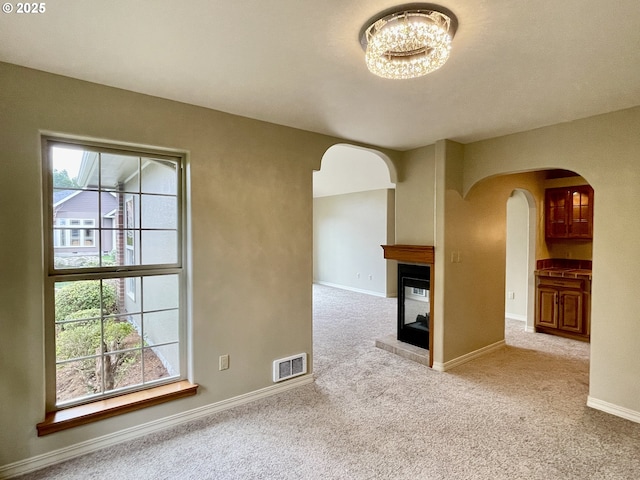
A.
pixel 515 64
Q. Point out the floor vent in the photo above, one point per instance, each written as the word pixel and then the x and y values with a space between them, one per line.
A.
pixel 289 367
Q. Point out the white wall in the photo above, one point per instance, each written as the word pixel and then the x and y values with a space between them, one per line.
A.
pixel 347 233
pixel 516 277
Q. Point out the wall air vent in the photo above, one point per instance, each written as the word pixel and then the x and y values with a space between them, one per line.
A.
pixel 289 367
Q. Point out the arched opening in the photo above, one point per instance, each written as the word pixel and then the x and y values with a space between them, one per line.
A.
pixel 534 250
pixel 482 224
pixel 354 213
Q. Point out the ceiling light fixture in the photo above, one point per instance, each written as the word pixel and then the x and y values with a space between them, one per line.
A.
pixel 408 41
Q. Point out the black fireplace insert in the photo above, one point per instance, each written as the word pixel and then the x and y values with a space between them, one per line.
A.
pixel 414 304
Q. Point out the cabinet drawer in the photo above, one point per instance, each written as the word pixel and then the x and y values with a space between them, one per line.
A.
pixel 561 282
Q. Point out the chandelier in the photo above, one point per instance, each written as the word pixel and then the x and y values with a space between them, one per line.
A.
pixel 408 42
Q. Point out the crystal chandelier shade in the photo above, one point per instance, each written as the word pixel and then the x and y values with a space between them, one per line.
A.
pixel 408 43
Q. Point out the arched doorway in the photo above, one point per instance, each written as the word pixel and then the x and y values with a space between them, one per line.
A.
pixel 476 226
pixel 354 213
pixel 528 248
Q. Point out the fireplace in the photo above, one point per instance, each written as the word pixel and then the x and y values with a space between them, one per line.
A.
pixel 415 296
pixel 414 304
pixel 414 337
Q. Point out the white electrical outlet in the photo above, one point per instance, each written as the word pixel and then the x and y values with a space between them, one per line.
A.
pixel 223 362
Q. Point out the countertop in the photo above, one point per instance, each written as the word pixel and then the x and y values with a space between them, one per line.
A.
pixel 580 273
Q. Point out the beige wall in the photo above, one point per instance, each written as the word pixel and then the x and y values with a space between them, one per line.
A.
pixel 348 230
pixel 251 225
pixel 415 200
pixel 605 150
pixel 474 264
pixel 471 188
pixel 251 218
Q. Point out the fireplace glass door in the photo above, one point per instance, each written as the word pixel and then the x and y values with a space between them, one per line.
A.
pixel 414 304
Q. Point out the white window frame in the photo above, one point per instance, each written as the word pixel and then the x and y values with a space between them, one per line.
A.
pixel 128 272
pixel 64 230
pixel 130 284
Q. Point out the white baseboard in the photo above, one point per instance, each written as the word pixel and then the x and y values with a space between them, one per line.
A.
pixel 520 318
pixel 353 289
pixel 443 367
pixel 47 459
pixel 616 410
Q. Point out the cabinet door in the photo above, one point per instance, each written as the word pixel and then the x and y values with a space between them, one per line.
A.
pixel 570 312
pixel 569 212
pixel 556 213
pixel 580 221
pixel 547 311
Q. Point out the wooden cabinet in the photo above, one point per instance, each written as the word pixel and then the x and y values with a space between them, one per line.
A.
pixel 562 306
pixel 569 212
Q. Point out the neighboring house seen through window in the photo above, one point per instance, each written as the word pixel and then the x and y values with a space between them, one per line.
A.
pixel 114 284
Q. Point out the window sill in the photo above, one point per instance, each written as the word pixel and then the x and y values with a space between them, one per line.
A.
pixel 110 407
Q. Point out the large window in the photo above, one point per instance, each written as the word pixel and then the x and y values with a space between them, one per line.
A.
pixel 114 283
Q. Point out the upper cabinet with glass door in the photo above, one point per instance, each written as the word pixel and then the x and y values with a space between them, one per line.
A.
pixel 569 212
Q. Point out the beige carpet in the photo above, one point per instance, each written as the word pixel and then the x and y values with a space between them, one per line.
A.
pixel 518 413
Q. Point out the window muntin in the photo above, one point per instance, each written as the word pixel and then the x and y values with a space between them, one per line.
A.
pixel 123 344
pixel 144 193
pixel 115 271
